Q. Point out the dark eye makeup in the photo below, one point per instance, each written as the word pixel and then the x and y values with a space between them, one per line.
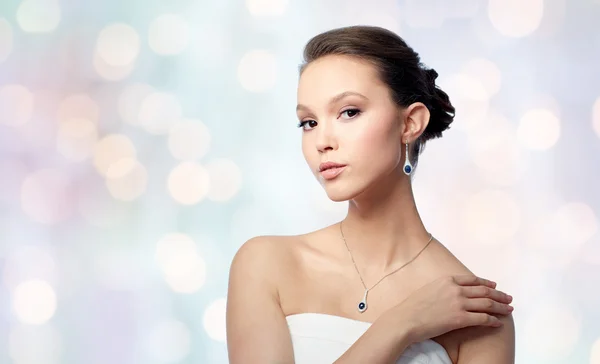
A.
pixel 313 123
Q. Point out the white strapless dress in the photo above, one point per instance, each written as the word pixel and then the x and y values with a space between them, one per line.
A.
pixel 321 339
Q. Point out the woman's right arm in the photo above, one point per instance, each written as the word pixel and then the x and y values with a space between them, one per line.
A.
pixel 257 331
pixel 444 305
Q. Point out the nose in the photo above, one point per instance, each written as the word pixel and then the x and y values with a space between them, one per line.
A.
pixel 326 139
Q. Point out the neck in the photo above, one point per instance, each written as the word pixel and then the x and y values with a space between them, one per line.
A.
pixel 383 228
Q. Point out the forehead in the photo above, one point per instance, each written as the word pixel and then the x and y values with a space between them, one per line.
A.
pixel 331 75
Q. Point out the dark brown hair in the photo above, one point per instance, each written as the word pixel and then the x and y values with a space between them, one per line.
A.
pixel 398 66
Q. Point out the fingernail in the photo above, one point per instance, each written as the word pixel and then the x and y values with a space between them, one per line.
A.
pixel 510 308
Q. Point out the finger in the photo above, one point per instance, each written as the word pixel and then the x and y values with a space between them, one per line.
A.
pixel 471 280
pixel 480 319
pixel 487 305
pixel 486 292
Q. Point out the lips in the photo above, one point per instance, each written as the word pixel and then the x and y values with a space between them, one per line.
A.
pixel 329 165
pixel 330 170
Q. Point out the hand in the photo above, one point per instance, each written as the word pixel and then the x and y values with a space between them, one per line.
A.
pixel 448 304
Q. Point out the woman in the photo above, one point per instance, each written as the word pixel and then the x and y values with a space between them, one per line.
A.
pixel 376 287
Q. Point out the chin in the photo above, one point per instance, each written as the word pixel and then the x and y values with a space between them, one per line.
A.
pixel 339 197
pixel 340 193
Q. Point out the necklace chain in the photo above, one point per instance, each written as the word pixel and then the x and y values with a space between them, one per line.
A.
pixel 392 272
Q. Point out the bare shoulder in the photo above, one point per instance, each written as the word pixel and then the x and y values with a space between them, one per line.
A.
pixel 478 343
pixel 273 257
pixel 265 255
pixel 280 250
pixel 256 327
pixel 442 262
pixel 263 248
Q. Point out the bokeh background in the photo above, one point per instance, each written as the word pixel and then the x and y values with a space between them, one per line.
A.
pixel 142 142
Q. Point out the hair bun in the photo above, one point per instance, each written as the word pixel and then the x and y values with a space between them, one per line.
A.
pixel 440 107
pixel 432 74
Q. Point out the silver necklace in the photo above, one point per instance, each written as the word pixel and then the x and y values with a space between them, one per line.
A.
pixel 362 305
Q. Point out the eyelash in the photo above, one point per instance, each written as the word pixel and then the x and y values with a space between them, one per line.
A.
pixel 358 111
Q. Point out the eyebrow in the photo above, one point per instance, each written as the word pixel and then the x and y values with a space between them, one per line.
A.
pixel 335 99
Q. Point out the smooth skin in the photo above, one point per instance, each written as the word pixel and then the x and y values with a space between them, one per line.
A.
pixel 348 117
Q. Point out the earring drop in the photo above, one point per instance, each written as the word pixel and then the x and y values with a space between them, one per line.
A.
pixel 407 166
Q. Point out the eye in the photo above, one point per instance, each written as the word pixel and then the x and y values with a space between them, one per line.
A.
pixel 351 113
pixel 307 124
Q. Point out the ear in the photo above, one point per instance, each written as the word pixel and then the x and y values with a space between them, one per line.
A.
pixel 416 119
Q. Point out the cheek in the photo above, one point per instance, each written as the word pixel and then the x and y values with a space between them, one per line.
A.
pixel 309 152
pixel 378 145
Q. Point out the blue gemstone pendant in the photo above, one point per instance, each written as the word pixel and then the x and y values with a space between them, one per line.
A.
pixel 362 306
pixel 407 169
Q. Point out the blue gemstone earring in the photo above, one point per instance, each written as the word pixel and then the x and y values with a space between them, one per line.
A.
pixel 407 166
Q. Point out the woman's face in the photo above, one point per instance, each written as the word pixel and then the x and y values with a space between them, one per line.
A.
pixel 348 118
